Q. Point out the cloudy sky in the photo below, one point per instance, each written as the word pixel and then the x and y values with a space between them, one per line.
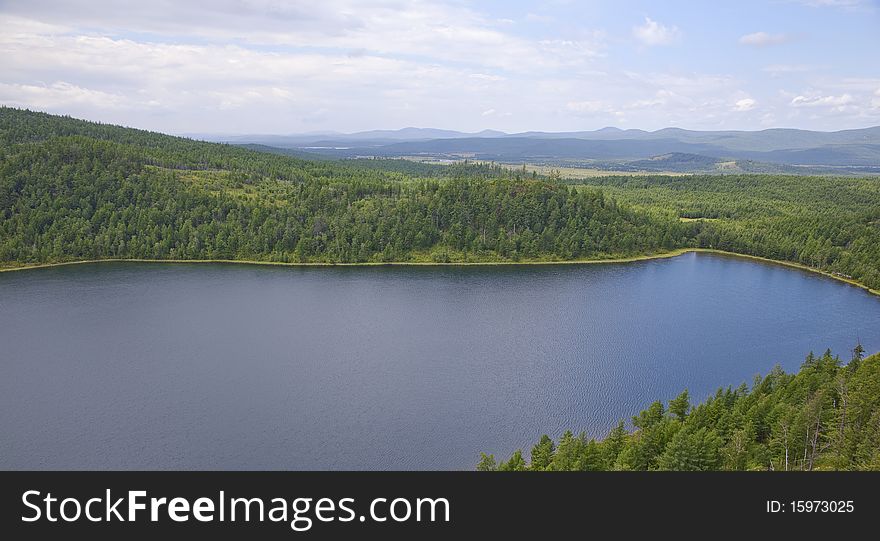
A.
pixel 275 66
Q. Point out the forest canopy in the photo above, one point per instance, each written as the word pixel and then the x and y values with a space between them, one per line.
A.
pixel 825 417
pixel 73 190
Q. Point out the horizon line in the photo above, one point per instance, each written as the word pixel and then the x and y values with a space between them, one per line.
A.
pixel 358 132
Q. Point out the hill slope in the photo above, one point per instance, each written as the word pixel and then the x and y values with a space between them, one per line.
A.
pixel 74 190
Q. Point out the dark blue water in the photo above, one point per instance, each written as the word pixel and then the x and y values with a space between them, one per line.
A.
pixel 152 366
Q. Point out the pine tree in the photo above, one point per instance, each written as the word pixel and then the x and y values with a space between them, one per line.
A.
pixel 680 405
pixel 516 463
pixel 542 453
pixel 487 463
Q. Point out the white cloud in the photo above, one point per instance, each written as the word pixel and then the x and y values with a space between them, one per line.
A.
pixel 423 58
pixel 103 78
pixel 745 104
pixel 653 33
pixel 763 39
pixel 440 32
pixel 843 105
pixel 60 94
pixel 281 67
pixel 822 101
pixel 853 103
pixel 574 50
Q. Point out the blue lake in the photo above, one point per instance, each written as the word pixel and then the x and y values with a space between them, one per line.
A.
pixel 207 366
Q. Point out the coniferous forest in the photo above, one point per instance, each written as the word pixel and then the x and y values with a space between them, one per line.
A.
pixel 825 417
pixel 72 190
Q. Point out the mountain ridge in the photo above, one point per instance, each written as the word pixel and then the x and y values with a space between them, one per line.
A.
pixel 780 146
pixel 793 137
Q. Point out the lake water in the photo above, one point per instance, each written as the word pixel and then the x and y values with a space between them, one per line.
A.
pixel 155 366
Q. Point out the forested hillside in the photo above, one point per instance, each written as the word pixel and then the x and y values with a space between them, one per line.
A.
pixel 825 417
pixel 828 223
pixel 73 190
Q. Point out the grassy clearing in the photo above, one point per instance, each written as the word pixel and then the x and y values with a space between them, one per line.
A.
pixel 577 172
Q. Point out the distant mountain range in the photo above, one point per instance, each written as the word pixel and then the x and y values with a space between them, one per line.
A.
pixel 771 150
pixel 368 138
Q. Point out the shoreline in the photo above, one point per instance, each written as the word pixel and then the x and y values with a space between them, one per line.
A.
pixel 664 255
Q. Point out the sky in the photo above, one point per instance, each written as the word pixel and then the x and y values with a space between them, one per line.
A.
pixel 282 67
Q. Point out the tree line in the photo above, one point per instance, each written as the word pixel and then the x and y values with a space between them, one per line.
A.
pixel 73 190
pixel 827 223
pixel 824 417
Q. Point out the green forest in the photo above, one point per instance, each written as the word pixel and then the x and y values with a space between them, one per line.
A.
pixel 825 417
pixel 829 223
pixel 73 190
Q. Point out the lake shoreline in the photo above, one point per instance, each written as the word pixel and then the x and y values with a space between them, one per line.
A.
pixel 664 255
